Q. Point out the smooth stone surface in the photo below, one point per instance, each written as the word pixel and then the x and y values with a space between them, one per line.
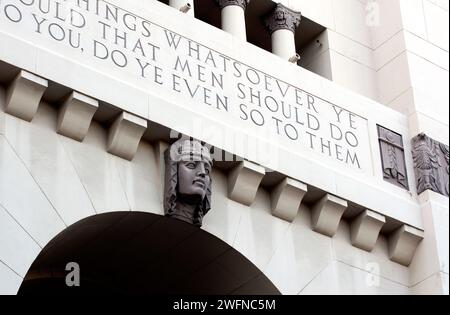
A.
pixel 98 170
pixel 10 283
pixel 41 151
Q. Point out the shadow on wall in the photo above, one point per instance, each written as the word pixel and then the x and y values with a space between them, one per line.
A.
pixel 140 253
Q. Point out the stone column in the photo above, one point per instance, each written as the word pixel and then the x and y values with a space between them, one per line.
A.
pixel 233 17
pixel 282 23
pixel 178 4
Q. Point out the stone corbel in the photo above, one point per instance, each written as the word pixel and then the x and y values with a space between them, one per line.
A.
pixel 365 229
pixel 286 198
pixel 403 244
pixel 75 116
pixel 243 182
pixel 24 95
pixel 125 134
pixel 327 213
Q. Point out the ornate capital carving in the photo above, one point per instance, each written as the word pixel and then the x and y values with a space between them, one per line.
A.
pixel 431 165
pixel 393 157
pixel 242 3
pixel 283 18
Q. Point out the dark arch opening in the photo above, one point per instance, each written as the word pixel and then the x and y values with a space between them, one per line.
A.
pixel 140 253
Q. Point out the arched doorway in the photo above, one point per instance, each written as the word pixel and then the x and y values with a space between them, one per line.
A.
pixel 142 253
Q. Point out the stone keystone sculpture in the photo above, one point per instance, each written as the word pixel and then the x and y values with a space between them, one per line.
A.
pixel 187 193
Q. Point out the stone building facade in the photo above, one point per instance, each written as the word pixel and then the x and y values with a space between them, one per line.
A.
pixel 327 122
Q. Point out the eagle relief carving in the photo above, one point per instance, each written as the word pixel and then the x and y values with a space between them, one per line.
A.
pixel 431 163
pixel 445 152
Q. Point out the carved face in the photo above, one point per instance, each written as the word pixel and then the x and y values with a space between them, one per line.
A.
pixel 279 16
pixel 193 179
pixel 187 191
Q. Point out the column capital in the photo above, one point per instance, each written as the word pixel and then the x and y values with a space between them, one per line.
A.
pixel 283 18
pixel 224 3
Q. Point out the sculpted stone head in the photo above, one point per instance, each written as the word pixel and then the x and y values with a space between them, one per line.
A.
pixel 187 194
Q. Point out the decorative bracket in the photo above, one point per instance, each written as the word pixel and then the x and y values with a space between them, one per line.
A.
pixel 403 244
pixel 286 198
pixel 125 134
pixel 365 229
pixel 327 213
pixel 75 116
pixel 243 182
pixel 24 95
